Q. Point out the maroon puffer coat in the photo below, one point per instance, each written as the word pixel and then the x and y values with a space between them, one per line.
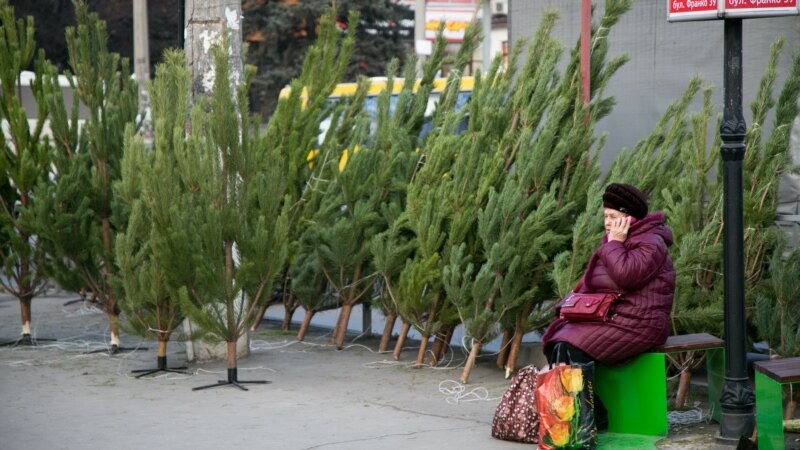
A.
pixel 642 270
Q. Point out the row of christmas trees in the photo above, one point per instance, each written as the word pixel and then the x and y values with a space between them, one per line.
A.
pixel 481 228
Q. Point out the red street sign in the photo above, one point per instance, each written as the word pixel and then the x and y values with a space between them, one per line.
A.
pixel 682 10
pixel 760 8
pixel 692 10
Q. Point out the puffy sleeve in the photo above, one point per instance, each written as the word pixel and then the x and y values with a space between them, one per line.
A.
pixel 631 265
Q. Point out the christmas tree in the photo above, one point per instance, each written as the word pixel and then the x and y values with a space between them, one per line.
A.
pixel 432 204
pixel 399 137
pixel 294 131
pixel 78 215
pixel 518 225
pixel 230 192
pixel 368 189
pixel 152 268
pixel 776 307
pixel 556 173
pixel 24 162
pixel 323 202
pixel 776 312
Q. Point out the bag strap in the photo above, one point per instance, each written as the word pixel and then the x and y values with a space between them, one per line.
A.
pixel 556 352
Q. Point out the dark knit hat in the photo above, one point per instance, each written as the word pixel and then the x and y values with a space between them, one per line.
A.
pixel 625 198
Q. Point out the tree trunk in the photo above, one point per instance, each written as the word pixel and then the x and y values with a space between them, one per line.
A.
pixel 306 323
pixel 502 356
pixel 387 332
pixel 436 348
pixel 423 347
pixel 344 320
pixel 162 348
pixel 231 354
pixel 113 327
pixel 473 355
pixel 25 314
pixel 401 340
pixel 447 340
pixel 683 388
pixel 288 313
pixel 441 344
pixel 259 316
pixel 289 307
pixel 513 352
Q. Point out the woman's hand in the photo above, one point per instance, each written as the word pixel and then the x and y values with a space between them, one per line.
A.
pixel 619 229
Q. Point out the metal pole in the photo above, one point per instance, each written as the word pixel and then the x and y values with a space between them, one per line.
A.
pixel 586 48
pixel 487 35
pixel 737 400
pixel 419 30
pixel 141 63
pixel 141 52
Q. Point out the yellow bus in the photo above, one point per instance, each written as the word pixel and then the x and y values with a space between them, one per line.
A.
pixel 377 86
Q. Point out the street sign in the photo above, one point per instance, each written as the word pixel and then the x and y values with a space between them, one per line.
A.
pixel 685 10
pixel 455 21
pixel 760 8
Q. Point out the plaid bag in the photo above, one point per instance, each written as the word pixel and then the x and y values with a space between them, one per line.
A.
pixel 516 418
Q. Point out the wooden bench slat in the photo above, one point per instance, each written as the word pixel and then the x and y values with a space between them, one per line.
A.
pixel 686 342
pixel 782 370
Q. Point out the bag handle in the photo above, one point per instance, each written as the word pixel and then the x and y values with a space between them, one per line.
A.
pixel 559 349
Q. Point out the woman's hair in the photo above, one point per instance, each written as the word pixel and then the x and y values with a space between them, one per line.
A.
pixel 625 198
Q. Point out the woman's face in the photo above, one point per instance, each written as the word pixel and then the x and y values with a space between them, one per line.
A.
pixel 609 215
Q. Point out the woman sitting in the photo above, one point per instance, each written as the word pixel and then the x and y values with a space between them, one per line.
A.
pixel 633 261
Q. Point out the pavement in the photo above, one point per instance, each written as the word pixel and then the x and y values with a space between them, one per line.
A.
pixel 72 394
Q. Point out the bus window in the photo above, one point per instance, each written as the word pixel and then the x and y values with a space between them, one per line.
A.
pixel 377 86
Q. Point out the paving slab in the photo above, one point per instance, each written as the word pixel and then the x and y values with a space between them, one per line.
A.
pixel 72 394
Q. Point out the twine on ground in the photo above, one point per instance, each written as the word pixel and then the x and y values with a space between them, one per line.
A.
pixel 457 393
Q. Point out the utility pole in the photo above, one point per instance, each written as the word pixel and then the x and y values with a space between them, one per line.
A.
pixel 419 32
pixel 141 64
pixel 487 35
pixel 586 48
pixel 207 23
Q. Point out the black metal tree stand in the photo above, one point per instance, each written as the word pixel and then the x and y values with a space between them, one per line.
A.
pixel 231 381
pixel 115 349
pixel 161 366
pixel 26 339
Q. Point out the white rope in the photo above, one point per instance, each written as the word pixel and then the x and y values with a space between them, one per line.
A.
pixel 457 393
pixel 688 417
pixel 384 363
pixel 84 310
